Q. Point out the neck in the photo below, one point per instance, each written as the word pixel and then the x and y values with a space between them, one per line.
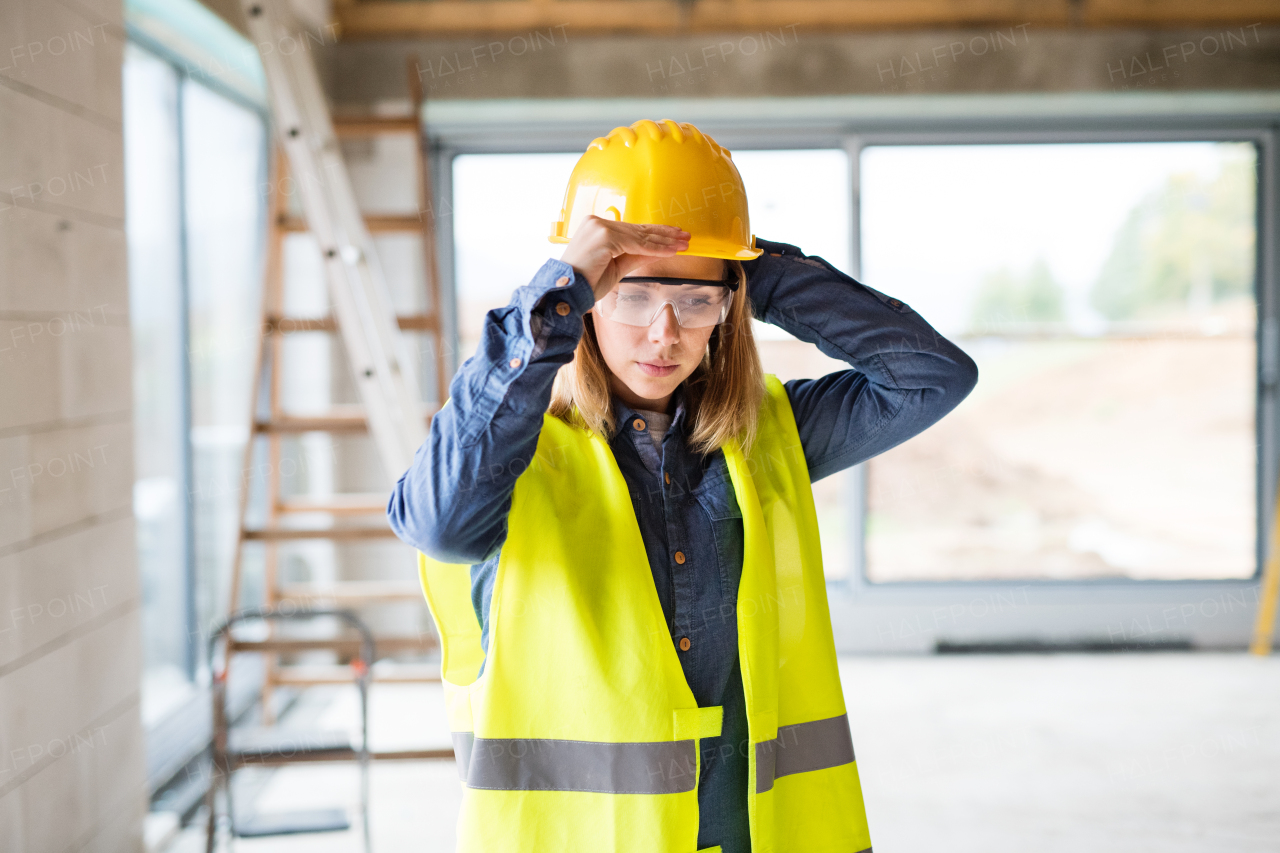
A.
pixel 635 401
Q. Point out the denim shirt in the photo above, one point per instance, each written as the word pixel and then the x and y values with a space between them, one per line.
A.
pixel 453 502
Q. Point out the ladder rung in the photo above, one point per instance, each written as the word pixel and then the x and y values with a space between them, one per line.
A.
pixel 407 322
pixel 337 419
pixel 441 754
pixel 341 504
pixel 293 645
pixel 366 125
pixel 284 534
pixel 377 223
pixel 306 675
pixel 413 754
pixel 260 745
pixel 342 645
pixel 353 592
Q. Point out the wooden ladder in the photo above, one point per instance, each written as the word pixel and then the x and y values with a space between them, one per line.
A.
pixel 347 517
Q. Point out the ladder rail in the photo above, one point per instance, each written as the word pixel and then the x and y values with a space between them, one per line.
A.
pixel 361 311
pixel 385 373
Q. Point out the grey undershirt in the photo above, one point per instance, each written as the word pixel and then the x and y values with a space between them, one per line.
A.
pixel 658 425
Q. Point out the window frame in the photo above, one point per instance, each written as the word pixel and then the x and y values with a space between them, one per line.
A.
pixel 184 733
pixel 919 616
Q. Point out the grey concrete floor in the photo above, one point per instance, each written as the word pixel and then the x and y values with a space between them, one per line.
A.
pixel 1045 753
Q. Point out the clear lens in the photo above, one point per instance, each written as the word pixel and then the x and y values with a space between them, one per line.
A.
pixel 638 303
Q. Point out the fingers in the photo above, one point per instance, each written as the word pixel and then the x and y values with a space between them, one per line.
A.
pixel 622 237
pixel 661 240
pixel 598 243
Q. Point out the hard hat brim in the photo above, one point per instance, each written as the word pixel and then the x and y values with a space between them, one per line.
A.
pixel 704 248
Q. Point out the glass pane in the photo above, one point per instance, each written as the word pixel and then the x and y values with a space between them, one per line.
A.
pixel 531 188
pixel 802 198
pixel 225 192
pixel 493 257
pixel 154 230
pixel 1107 293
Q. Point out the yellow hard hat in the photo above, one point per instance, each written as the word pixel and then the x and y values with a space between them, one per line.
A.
pixel 662 173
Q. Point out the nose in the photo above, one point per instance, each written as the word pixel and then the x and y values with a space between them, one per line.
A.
pixel 665 330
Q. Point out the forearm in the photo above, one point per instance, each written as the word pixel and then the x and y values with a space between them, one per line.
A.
pixel 877 334
pixel 905 377
pixel 453 501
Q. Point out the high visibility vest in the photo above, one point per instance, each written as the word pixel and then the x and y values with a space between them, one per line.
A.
pixel 581 736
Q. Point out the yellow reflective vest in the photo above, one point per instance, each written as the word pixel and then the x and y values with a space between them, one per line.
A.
pixel 581 734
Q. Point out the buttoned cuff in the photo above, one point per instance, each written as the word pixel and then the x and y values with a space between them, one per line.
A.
pixel 764 273
pixel 554 285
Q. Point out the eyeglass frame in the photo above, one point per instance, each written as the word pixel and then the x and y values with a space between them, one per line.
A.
pixel 730 281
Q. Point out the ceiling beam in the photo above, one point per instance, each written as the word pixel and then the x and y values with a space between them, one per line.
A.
pixel 425 18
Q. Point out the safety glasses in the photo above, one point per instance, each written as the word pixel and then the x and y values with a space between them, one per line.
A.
pixel 637 300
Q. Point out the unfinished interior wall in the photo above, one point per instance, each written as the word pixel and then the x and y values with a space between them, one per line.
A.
pixel 71 748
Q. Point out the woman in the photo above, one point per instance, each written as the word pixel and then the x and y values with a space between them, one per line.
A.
pixel 640 657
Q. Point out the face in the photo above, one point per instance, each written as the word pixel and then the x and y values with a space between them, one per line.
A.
pixel 648 363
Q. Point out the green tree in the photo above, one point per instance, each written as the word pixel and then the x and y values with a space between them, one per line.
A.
pixel 1185 245
pixel 1005 298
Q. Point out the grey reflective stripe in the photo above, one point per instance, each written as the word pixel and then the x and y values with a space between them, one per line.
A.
pixel 546 764
pixel 801 747
pixel 462 745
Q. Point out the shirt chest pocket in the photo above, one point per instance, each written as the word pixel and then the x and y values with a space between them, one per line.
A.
pixel 716 496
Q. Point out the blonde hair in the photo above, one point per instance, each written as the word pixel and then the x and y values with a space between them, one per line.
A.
pixel 722 395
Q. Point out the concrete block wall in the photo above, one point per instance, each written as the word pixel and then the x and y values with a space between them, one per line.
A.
pixel 792 62
pixel 71 742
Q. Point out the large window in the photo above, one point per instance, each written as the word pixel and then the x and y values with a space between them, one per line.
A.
pixel 151 92
pixel 195 178
pixel 225 177
pixel 1107 292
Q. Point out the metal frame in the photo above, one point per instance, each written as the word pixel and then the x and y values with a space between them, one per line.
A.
pixel 916 616
pixel 226 760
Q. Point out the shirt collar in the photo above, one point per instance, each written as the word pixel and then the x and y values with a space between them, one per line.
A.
pixel 625 413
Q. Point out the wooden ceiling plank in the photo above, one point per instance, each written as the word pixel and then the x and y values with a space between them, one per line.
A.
pixel 381 18
pixel 511 18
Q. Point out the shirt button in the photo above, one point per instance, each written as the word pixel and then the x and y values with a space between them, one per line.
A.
pixel 563 308
pixel 666 477
pixel 684 644
pixel 638 424
pixel 680 557
pixel 515 362
pixel 562 281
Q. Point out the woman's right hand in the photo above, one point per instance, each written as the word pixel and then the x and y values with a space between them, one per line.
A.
pixel 603 251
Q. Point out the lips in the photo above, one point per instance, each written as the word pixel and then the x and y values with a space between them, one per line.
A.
pixel 658 369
